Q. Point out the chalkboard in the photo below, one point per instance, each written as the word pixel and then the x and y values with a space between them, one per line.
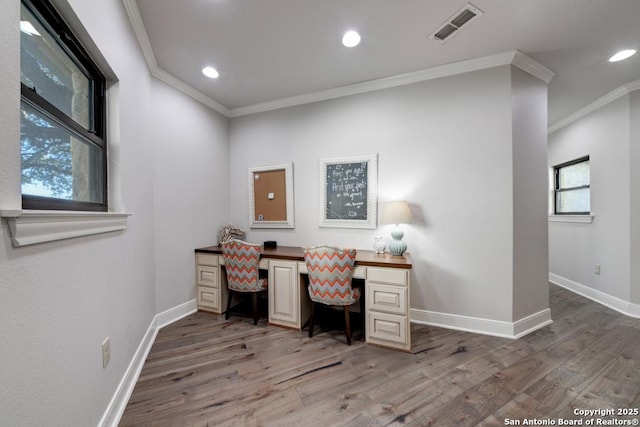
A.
pixel 346 191
pixel 349 191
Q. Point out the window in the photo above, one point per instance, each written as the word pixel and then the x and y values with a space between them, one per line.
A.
pixel 62 121
pixel 572 188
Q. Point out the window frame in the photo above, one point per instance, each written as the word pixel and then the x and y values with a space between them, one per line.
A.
pixel 96 133
pixel 556 185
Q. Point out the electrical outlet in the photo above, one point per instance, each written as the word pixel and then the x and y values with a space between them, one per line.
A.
pixel 106 352
pixel 596 269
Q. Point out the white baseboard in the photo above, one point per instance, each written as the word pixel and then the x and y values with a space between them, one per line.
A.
pixel 118 403
pixel 477 325
pixel 176 313
pixel 625 307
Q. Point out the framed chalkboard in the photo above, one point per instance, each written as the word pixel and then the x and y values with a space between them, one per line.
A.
pixel 349 192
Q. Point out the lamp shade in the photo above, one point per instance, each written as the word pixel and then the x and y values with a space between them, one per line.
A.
pixel 397 212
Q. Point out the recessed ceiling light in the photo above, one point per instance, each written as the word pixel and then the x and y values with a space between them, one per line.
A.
pixel 210 72
pixel 351 39
pixel 623 54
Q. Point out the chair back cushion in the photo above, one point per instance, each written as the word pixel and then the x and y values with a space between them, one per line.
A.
pixel 241 261
pixel 330 270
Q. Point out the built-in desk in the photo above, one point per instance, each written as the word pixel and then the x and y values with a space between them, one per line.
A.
pixel 386 279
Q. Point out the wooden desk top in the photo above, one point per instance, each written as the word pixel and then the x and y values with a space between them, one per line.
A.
pixel 294 253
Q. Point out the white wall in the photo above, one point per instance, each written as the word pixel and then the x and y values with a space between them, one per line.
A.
pixel 575 248
pixel 444 145
pixel 530 239
pixel 190 187
pixel 634 161
pixel 59 300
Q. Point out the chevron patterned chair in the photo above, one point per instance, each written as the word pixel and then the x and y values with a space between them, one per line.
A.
pixel 241 263
pixel 330 271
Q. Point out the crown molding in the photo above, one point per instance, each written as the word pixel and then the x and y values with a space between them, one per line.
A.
pixel 378 84
pixel 141 33
pixel 533 67
pixel 183 87
pixel 633 86
pixel 147 51
pixel 619 92
pixel 515 58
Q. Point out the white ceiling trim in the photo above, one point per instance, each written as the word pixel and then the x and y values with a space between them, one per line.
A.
pixel 172 80
pixel 141 33
pixel 515 58
pixel 595 105
pixel 533 67
pixel 145 45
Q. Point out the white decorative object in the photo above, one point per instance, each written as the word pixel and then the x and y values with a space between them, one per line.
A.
pixel 379 244
pixel 349 192
pixel 397 213
pixel 230 231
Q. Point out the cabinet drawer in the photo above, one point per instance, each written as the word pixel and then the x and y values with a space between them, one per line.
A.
pixel 208 276
pixel 391 276
pixel 208 298
pixel 207 259
pixel 389 299
pixel 383 327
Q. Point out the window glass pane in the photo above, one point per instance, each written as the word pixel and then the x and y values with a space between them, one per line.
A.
pixel 45 66
pixel 574 175
pixel 573 201
pixel 57 163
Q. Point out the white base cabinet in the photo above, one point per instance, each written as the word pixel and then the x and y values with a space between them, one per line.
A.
pixel 387 305
pixel 386 299
pixel 288 298
pixel 211 288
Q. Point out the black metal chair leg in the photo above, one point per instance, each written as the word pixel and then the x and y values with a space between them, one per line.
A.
pixel 313 309
pixel 255 307
pixel 363 316
pixel 347 324
pixel 226 316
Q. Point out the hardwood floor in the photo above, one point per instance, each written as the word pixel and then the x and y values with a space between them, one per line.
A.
pixel 205 371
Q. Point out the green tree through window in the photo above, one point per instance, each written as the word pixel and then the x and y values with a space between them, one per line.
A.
pixel 62 116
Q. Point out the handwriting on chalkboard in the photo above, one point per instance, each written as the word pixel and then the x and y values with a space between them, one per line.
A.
pixel 346 191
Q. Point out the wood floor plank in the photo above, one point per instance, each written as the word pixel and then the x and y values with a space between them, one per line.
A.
pixel 206 371
pixel 482 400
pixel 617 387
pixel 554 392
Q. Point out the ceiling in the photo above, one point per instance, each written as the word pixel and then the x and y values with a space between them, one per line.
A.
pixel 270 50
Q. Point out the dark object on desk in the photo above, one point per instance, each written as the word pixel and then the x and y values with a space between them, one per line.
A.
pixel 270 244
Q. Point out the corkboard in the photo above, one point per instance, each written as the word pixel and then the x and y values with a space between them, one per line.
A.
pixel 270 196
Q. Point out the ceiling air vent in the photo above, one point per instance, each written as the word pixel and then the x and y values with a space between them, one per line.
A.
pixel 455 23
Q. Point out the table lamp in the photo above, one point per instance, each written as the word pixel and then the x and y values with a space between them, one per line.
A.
pixel 397 213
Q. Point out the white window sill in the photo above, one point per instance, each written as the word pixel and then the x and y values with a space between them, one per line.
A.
pixel 28 227
pixel 584 219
